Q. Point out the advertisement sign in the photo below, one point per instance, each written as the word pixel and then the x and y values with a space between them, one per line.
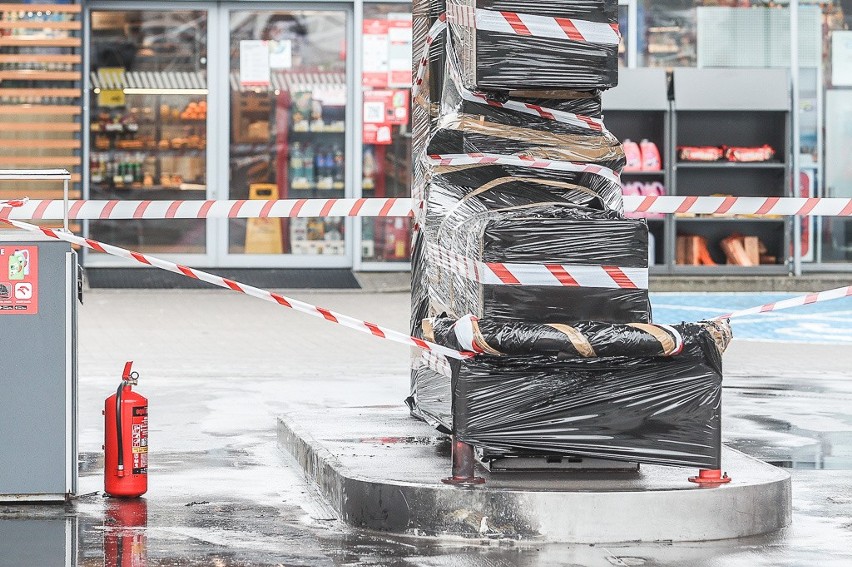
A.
pixel 400 41
pixel 18 280
pixel 375 42
pixel 254 63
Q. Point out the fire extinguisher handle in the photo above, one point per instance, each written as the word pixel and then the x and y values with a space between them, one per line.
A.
pixel 128 366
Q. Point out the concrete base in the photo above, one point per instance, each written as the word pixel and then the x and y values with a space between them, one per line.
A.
pixel 380 469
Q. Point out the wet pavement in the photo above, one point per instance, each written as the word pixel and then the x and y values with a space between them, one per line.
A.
pixel 218 368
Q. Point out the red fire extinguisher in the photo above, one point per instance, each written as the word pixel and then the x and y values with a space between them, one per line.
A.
pixel 126 439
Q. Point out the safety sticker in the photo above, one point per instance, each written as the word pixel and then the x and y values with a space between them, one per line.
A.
pixel 18 280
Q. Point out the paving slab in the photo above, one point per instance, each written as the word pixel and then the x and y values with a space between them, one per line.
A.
pixel 380 469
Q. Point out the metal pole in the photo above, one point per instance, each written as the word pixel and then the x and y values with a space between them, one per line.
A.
pixel 794 123
pixel 65 204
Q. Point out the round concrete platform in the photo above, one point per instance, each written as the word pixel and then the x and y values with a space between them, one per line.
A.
pixel 380 469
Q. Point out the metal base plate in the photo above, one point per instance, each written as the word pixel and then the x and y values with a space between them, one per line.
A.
pixel 560 463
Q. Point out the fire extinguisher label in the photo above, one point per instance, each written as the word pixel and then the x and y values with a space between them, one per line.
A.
pixel 139 432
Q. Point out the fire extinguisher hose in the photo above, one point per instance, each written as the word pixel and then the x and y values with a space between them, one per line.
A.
pixel 118 435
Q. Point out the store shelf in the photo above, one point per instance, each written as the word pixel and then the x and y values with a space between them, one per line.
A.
pixel 44 144
pixel 39 109
pixel 69 25
pixel 731 164
pixel 728 270
pixel 738 220
pixel 660 173
pixel 42 126
pixel 23 41
pixel 39 93
pixel 46 6
pixel 68 59
pixel 40 161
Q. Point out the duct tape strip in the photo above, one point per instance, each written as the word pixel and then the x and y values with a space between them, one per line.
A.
pixel 815 206
pixel 561 275
pixel 532 25
pixel 142 210
pixel 830 295
pixel 522 161
pixel 27 209
pixel 302 307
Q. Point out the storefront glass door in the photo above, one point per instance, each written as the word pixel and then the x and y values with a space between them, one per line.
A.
pixel 148 121
pixel 288 132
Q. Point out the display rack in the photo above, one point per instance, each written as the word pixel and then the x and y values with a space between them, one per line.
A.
pixel 639 108
pixel 40 92
pixel 732 107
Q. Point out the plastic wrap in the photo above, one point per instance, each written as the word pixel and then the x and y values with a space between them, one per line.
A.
pixel 585 339
pixel 505 45
pixel 461 232
pixel 465 133
pixel 656 410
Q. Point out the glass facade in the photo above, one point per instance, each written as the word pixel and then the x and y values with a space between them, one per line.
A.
pixel 386 169
pixel 148 121
pixel 281 97
pixel 288 125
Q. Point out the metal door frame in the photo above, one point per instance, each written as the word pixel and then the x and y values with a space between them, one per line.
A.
pixel 102 260
pixel 221 88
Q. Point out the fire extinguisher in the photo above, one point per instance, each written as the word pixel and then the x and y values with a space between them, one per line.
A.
pixel 126 439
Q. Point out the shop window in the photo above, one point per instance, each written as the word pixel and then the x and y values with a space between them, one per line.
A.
pixel 386 168
pixel 148 121
pixel 288 125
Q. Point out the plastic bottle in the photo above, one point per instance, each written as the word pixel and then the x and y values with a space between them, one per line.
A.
pixel 339 165
pixel 308 164
pixel 296 163
pixel 633 155
pixel 650 156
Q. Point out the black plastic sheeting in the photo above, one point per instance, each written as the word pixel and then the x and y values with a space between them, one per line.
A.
pixel 533 234
pixel 508 61
pixel 586 339
pixel 650 410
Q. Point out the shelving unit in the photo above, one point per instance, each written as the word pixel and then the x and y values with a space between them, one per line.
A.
pixel 639 108
pixel 40 92
pixel 732 107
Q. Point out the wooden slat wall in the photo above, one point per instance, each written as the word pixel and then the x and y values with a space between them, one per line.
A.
pixel 40 101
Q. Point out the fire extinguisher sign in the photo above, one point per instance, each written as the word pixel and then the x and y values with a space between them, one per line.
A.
pixel 18 280
pixel 139 433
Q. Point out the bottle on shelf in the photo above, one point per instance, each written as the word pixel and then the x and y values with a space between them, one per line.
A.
pixel 633 155
pixel 309 165
pixel 338 168
pixel 650 156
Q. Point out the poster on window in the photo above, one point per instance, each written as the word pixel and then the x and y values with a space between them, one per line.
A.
pixel 399 52
pixel 375 41
pixel 254 63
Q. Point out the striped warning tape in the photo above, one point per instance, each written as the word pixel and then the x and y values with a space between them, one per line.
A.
pixel 533 25
pixel 814 206
pixel 536 110
pixel 562 275
pixel 307 308
pixel 287 208
pixel 26 209
pixel 433 361
pixel 523 161
pixel 439 27
pixel 830 295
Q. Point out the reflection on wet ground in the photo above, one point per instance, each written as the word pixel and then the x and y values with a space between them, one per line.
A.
pixel 796 424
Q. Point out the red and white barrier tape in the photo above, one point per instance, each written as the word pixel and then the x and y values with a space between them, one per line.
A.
pixel 532 25
pixel 26 209
pixel 815 206
pixel 535 110
pixel 523 161
pixel 307 308
pixel 433 361
pixel 141 210
pixel 560 275
pixel 436 30
pixel 830 295
pixel 478 97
